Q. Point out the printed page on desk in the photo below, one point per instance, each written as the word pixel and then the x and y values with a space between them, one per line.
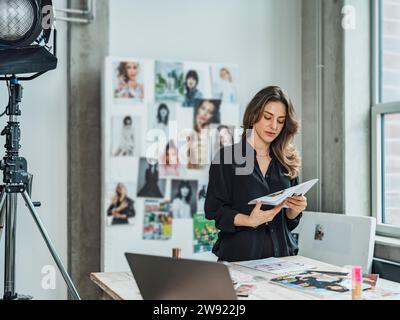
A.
pixel 323 285
pixel 333 285
pixel 275 265
pixel 278 197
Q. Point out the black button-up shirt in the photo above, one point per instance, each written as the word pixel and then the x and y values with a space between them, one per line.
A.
pixel 235 179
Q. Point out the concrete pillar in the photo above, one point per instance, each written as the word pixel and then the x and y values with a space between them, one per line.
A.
pixel 336 137
pixel 88 46
pixel 323 93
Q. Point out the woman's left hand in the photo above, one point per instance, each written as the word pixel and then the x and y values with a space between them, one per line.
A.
pixel 296 204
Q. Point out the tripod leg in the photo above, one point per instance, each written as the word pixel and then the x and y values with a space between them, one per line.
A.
pixel 2 211
pixel 9 265
pixel 49 244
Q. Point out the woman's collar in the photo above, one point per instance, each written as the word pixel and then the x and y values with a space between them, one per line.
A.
pixel 246 144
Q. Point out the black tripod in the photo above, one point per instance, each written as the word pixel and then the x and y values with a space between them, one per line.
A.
pixel 17 180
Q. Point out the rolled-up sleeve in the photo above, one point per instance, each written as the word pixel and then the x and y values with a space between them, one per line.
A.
pixel 218 204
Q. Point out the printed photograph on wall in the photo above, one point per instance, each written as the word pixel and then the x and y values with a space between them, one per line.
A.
pixel 149 183
pixel 205 233
pixel 183 198
pixel 192 88
pixel 206 114
pixel 126 136
pixel 169 77
pixel 157 222
pixel 121 206
pixel 223 136
pixel 128 82
pixel 201 197
pixel 170 164
pixel 160 116
pixel 224 83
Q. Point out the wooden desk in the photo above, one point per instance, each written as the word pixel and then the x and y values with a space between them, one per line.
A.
pixel 122 286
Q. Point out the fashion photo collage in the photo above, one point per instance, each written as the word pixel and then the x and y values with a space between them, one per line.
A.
pixel 164 122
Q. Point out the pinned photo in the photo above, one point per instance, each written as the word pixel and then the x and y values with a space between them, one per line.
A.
pixel 205 233
pixel 201 197
pixel 192 91
pixel 125 133
pixel 206 114
pixel 169 79
pixel 149 184
pixel 121 210
pixel 157 223
pixel 128 81
pixel 223 137
pixel 170 164
pixel 224 84
pixel 160 116
pixel 183 198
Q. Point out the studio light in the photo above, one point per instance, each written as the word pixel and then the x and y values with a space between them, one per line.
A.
pixel 25 30
pixel 19 22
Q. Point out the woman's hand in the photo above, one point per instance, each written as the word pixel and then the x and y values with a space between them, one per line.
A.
pixel 296 204
pixel 258 216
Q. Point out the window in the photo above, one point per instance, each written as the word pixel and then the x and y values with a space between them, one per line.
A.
pixel 389 43
pixel 386 117
pixel 391 174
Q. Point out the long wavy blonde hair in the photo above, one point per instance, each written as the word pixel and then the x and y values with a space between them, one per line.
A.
pixel 283 146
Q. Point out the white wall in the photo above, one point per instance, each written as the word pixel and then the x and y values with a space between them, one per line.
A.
pixel 44 145
pixel 263 37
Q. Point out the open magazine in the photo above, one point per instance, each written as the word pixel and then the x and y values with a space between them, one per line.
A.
pixel 332 285
pixel 280 196
pixel 275 265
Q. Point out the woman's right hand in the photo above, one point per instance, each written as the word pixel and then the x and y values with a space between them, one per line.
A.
pixel 258 216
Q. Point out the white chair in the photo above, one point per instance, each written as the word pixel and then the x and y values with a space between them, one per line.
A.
pixel 337 239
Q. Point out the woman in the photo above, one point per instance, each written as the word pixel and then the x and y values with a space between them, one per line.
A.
pixel 271 164
pixel 150 188
pixel 121 208
pixel 128 86
pixel 181 203
pixel 127 141
pixel 192 93
pixel 206 113
pixel 170 161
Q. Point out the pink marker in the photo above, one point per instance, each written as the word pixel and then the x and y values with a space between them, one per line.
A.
pixel 356 283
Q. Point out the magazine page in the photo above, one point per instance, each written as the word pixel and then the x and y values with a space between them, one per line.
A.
pixel 275 265
pixel 326 285
pixel 333 285
pixel 279 196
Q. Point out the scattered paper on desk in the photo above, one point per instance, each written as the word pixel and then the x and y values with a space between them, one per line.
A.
pixel 244 290
pixel 380 294
pixel 276 266
pixel 240 277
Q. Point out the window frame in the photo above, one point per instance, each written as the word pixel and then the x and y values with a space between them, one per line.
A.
pixel 378 111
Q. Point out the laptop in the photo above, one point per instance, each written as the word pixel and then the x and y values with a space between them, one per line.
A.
pixel 163 278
